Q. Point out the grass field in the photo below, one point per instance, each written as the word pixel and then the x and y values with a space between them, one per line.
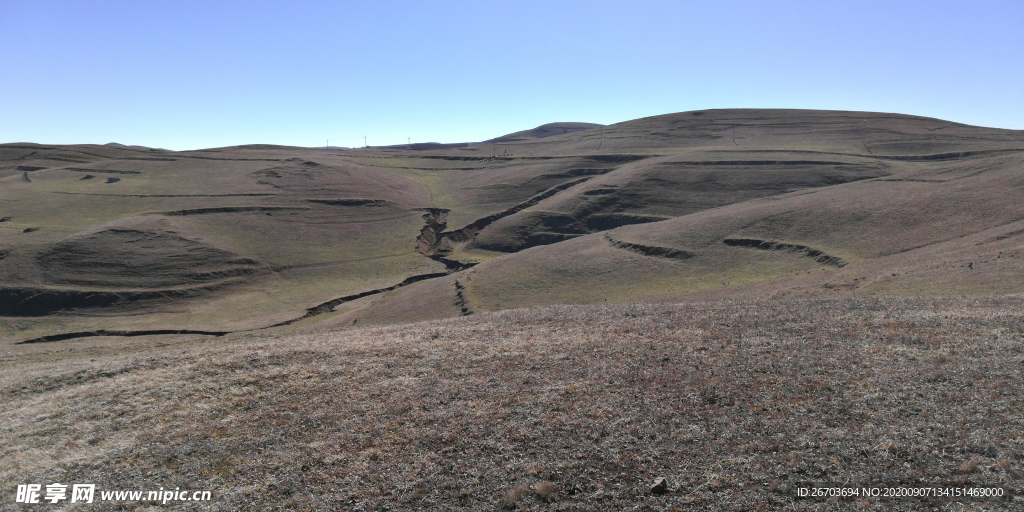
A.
pixel 736 403
pixel 763 203
pixel 745 303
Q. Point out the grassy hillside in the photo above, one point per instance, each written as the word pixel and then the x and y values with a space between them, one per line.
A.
pixel 220 239
pixel 946 229
pixel 764 221
pixel 743 302
pixel 743 203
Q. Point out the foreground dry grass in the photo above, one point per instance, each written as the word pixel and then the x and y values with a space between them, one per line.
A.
pixel 738 404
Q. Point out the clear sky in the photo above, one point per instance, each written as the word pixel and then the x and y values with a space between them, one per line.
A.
pixel 186 75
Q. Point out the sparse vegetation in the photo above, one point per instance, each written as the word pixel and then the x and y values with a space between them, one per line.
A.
pixel 736 403
pixel 247 237
pixel 783 353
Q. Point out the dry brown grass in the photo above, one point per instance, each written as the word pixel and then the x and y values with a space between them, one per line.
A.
pixel 238 238
pixel 738 404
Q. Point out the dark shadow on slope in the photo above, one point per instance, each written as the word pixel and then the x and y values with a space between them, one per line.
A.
pixel 102 332
pixel 351 202
pixel 99 171
pixel 34 302
pixel 329 306
pixel 460 299
pixel 803 250
pixel 650 250
pixel 468 232
pixel 230 209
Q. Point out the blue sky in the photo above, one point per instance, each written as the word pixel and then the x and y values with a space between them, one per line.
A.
pixel 187 75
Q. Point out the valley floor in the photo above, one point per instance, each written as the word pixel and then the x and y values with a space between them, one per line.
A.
pixel 738 404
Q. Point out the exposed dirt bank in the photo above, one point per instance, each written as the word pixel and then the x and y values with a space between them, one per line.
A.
pixel 803 250
pixel 650 250
pixel 102 332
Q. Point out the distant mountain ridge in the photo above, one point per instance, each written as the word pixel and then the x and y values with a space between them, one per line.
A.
pixel 540 132
pixel 140 148
pixel 546 130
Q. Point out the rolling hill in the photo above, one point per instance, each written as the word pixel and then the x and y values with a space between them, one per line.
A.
pixel 545 130
pixel 709 204
pixel 742 302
